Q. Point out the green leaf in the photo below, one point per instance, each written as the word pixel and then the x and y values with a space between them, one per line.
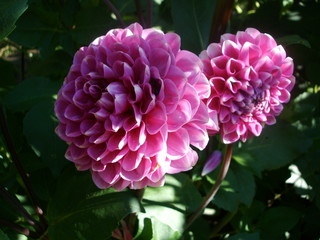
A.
pixel 3 236
pixel 174 199
pixel 150 228
pixel 8 72
pixel 192 21
pixel 30 92
pixel 293 39
pixel 37 27
pixel 79 210
pixel 10 11
pixel 238 187
pixel 144 227
pixel 247 217
pixel 86 31
pixel 39 128
pixel 274 148
pixel 276 221
pixel 245 236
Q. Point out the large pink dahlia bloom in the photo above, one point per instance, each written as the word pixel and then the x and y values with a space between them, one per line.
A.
pixel 250 78
pixel 130 107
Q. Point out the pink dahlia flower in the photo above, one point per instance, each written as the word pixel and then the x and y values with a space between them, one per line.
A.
pixel 130 107
pixel 250 77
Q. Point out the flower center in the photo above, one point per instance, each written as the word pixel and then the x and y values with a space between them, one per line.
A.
pixel 155 86
pixel 254 102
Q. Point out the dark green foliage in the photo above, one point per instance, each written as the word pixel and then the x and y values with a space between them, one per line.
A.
pixel 272 189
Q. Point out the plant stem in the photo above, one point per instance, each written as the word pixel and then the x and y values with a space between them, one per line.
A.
pixel 18 165
pixel 222 174
pixel 116 12
pixel 22 64
pixel 149 13
pixel 18 228
pixel 139 12
pixel 14 202
pixel 220 19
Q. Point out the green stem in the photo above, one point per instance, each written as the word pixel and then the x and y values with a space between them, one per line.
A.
pixel 222 174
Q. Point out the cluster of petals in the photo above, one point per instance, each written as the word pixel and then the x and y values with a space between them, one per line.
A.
pixel 251 78
pixel 132 106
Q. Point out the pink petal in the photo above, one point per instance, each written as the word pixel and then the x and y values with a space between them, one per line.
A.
pixel 88 65
pixel 98 181
pixel 254 127
pixel 155 119
pixel 117 140
pixel 74 152
pixel 121 184
pixel 139 173
pixel 121 103
pixel 97 151
pixel 111 173
pixel 180 116
pixel 115 88
pixel 137 137
pixel 230 49
pixel 161 60
pixel 82 100
pixel 72 129
pixel 184 163
pixel 73 113
pixel 131 160
pixel 214 50
pixel 192 97
pixel 249 53
pixel 178 143
pixel 97 166
pixel 171 94
pixel 154 144
pixel 198 136
pixel 148 100
pixel 114 156
pixel 174 42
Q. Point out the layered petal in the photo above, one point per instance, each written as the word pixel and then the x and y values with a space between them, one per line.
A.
pixel 132 106
pixel 250 78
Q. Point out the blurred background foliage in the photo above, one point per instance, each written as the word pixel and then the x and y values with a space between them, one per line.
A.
pixel 272 190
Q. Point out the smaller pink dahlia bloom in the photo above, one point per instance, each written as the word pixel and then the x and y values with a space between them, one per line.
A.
pixel 250 77
pixel 131 106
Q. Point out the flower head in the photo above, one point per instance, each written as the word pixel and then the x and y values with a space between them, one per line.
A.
pixel 250 77
pixel 130 107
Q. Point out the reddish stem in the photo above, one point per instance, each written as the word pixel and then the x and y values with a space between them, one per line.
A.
pixel 149 13
pixel 19 229
pixel 139 12
pixel 222 174
pixel 220 19
pixel 116 12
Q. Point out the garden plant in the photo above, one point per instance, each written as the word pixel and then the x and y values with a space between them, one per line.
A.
pixel 159 119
